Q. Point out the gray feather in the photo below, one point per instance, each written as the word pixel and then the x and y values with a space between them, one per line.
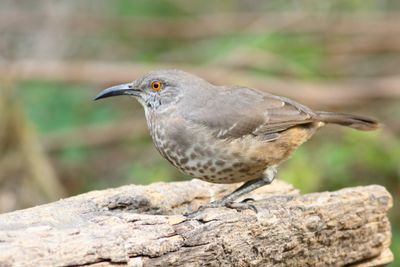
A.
pixel 233 112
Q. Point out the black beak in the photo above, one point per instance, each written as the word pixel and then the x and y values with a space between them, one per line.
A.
pixel 121 89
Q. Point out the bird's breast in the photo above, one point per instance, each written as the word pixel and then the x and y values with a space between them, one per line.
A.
pixel 198 153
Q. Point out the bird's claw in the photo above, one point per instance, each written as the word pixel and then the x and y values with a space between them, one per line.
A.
pixel 249 199
pixel 238 206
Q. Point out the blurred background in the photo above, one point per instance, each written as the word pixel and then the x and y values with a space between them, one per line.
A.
pixel 55 56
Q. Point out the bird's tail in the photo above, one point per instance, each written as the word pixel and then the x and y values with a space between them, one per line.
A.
pixel 354 121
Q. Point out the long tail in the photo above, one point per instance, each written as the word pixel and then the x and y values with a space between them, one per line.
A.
pixel 354 121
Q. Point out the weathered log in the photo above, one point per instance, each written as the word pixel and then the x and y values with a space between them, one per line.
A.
pixel 146 226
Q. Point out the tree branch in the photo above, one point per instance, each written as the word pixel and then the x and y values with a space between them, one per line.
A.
pixel 350 93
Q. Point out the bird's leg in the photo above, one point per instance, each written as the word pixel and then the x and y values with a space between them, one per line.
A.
pixel 245 188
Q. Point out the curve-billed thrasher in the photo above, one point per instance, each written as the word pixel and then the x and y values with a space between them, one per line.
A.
pixel 225 134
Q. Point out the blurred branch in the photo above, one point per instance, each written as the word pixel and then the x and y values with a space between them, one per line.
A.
pixel 202 26
pixel 348 40
pixel 36 161
pixel 346 93
pixel 20 138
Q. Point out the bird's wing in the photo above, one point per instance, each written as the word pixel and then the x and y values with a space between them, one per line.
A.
pixel 239 111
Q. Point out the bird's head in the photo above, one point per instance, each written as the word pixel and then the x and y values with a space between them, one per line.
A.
pixel 157 88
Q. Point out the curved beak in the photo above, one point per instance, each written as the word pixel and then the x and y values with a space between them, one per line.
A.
pixel 121 89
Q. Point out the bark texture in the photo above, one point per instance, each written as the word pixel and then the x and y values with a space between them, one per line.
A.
pixel 146 226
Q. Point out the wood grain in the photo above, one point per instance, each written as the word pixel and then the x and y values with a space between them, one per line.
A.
pixel 146 226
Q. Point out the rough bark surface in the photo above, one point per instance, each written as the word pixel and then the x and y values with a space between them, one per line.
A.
pixel 145 226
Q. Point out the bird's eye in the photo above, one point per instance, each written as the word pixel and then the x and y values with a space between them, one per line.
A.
pixel 156 85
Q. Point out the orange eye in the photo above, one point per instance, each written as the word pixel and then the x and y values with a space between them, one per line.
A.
pixel 156 85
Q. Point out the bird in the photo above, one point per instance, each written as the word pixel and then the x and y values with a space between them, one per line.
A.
pixel 225 134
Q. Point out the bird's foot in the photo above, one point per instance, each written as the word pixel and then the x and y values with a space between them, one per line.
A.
pixel 242 205
pixel 239 206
